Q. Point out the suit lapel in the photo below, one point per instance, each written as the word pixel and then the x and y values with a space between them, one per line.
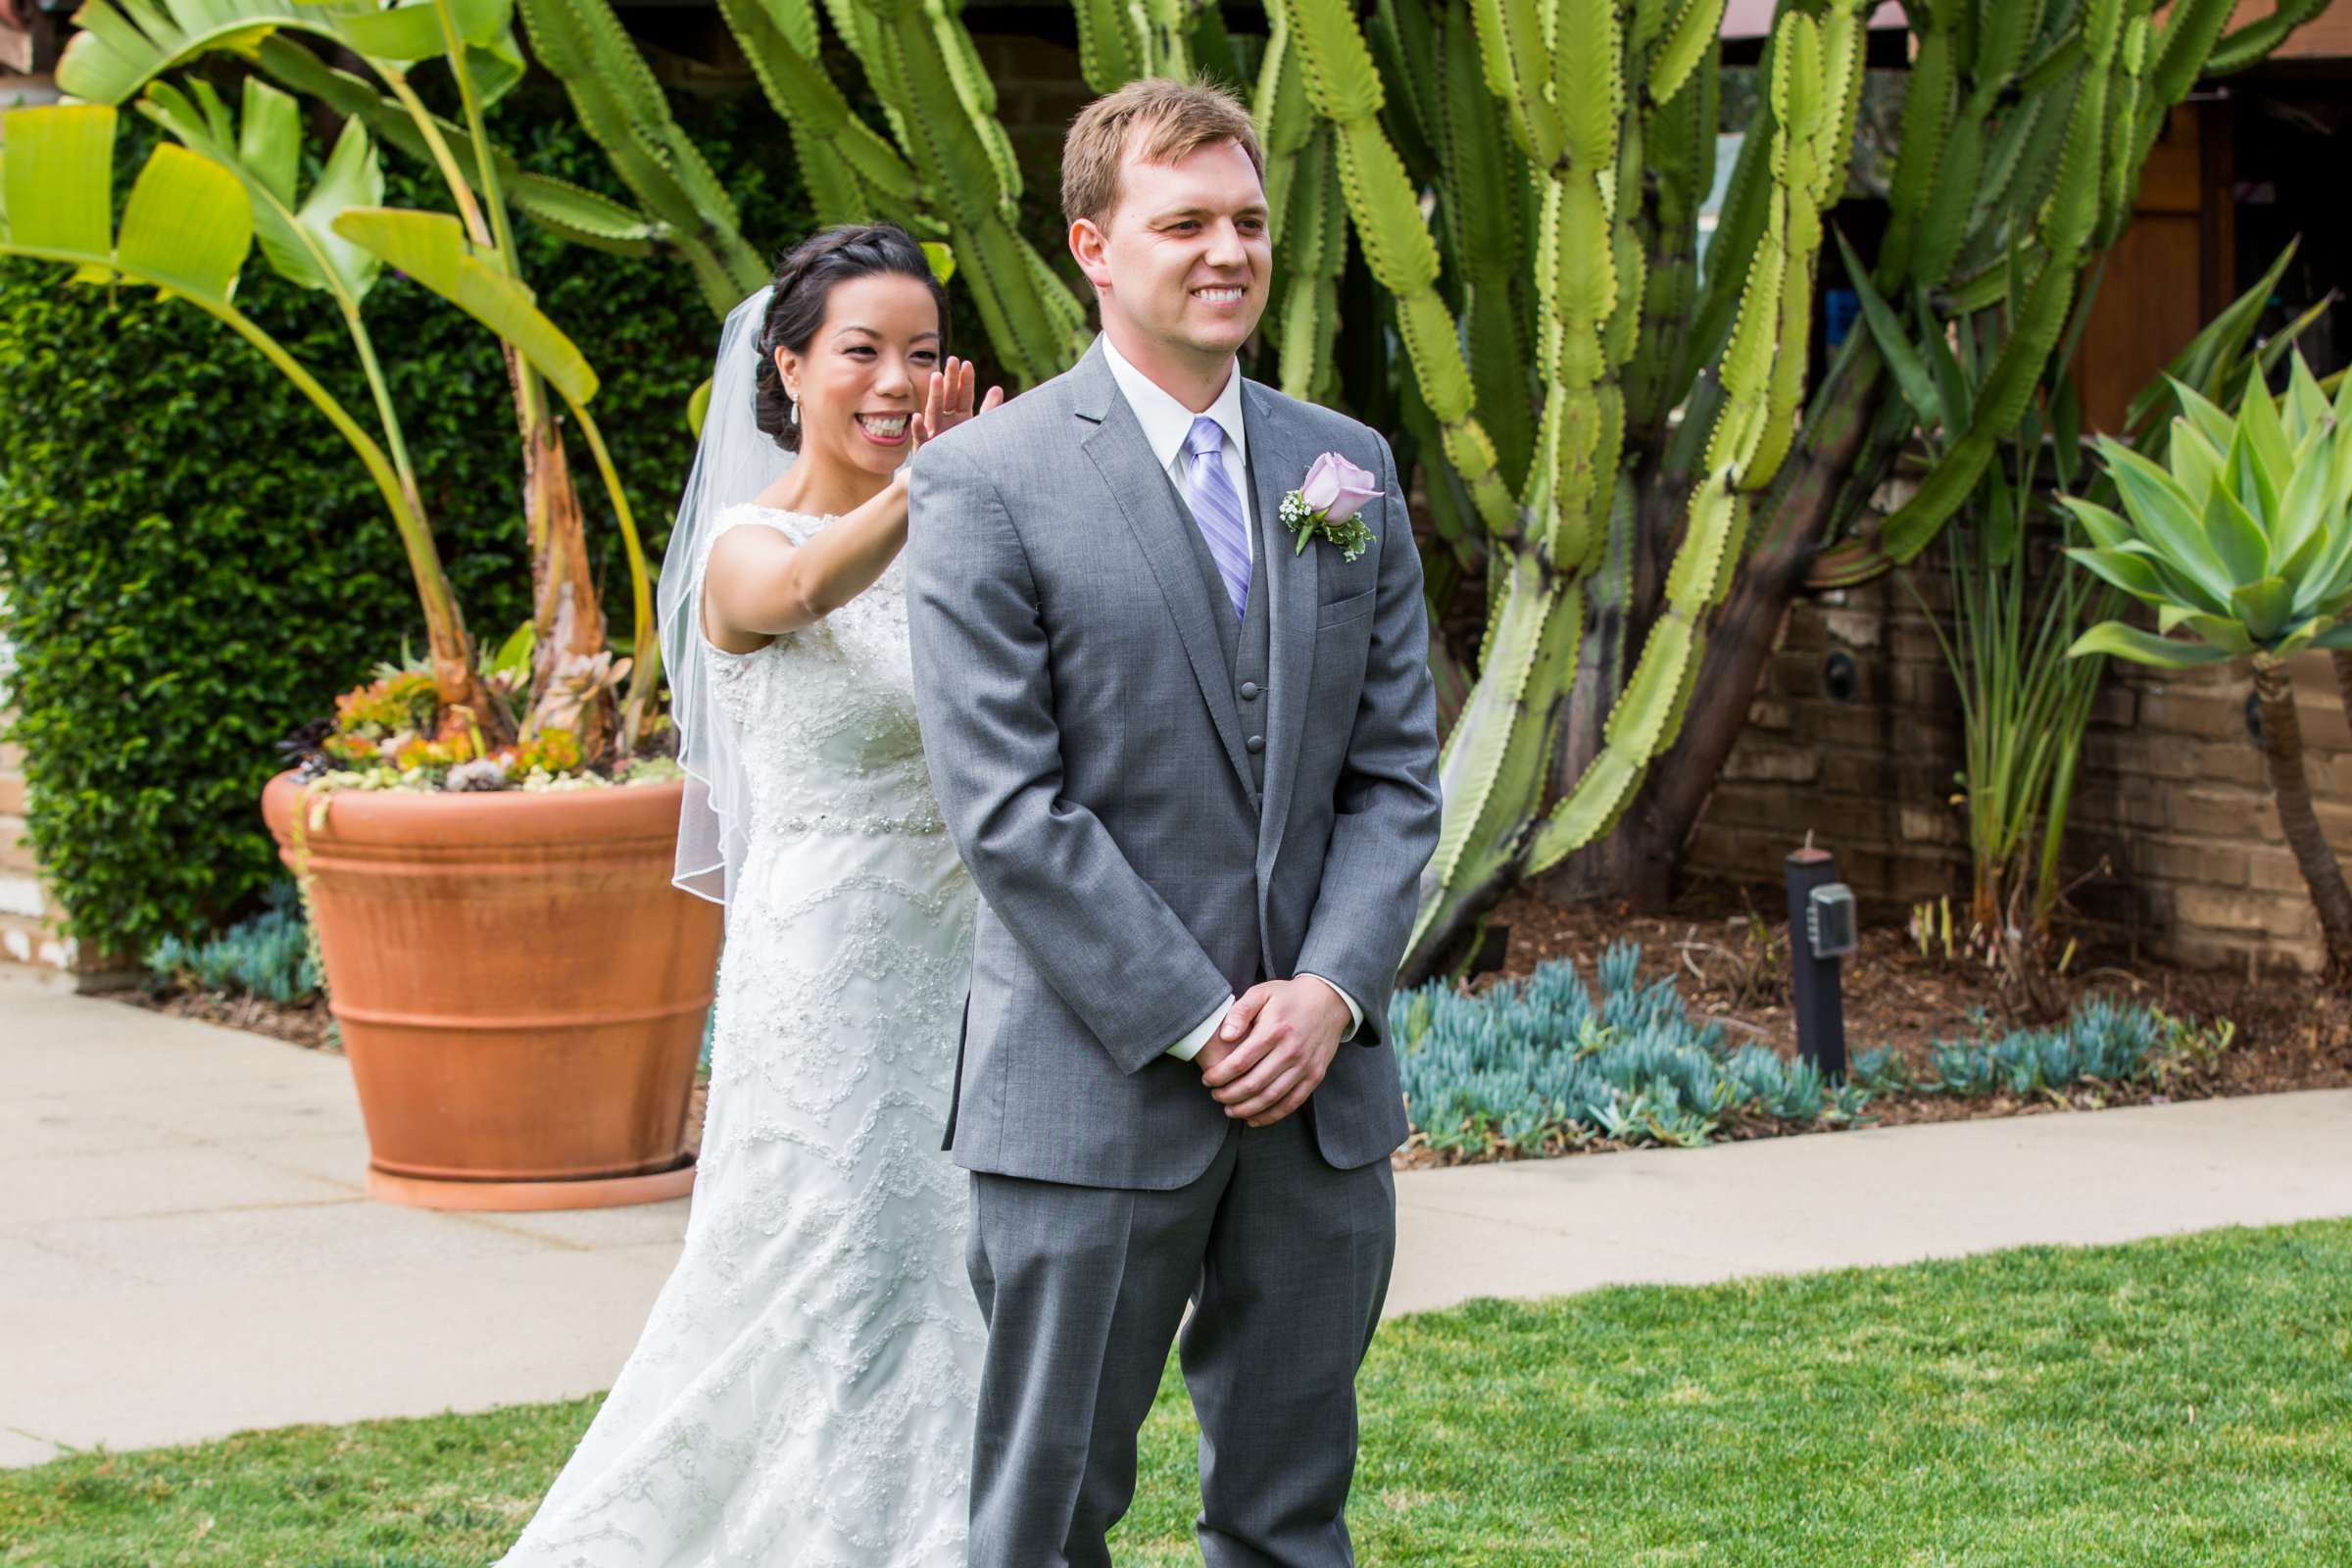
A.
pixel 1276 465
pixel 1157 517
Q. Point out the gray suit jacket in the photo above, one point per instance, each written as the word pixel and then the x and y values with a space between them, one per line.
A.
pixel 1087 749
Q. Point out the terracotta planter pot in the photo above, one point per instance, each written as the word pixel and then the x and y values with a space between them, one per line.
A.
pixel 519 988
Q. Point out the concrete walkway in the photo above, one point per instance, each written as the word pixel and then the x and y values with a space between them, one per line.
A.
pixel 186 1249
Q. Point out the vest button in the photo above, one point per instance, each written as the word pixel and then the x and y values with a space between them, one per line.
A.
pixel 1248 691
pixel 1256 744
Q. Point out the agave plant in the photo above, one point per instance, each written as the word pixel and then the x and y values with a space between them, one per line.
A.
pixel 2024 705
pixel 2241 539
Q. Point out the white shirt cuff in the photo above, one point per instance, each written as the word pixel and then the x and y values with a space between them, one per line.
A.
pixel 1356 1015
pixel 1188 1046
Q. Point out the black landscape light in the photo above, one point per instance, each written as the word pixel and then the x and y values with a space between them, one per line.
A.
pixel 1822 929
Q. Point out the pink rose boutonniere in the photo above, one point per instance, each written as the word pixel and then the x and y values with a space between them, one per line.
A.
pixel 1327 503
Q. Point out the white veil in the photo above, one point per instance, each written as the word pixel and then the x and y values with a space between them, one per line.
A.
pixel 735 462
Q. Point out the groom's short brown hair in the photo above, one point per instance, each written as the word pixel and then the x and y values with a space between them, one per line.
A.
pixel 1166 121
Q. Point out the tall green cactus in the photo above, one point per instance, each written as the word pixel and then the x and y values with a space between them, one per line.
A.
pixel 622 108
pixel 946 170
pixel 1580 116
pixel 851 171
pixel 1593 275
pixel 1616 429
pixel 1309 227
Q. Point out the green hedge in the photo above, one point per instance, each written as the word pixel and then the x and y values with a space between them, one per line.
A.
pixel 194 564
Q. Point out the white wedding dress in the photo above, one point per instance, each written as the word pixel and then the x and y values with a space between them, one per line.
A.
pixel 804 1393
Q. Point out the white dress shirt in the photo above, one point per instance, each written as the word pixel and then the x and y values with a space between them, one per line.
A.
pixel 1167 430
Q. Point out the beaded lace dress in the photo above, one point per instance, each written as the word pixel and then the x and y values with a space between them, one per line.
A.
pixel 804 1393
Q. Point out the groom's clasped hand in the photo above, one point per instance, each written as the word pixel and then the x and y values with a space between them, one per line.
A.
pixel 1273 1049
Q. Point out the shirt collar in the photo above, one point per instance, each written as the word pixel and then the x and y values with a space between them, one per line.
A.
pixel 1166 422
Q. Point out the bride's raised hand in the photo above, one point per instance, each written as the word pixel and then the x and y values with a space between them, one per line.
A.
pixel 948 402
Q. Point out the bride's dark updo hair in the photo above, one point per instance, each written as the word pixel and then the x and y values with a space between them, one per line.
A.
pixel 804 280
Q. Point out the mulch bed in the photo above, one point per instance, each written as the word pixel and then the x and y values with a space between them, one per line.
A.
pixel 307 1024
pixel 1729 949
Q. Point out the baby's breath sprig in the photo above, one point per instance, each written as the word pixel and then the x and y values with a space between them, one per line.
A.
pixel 1351 536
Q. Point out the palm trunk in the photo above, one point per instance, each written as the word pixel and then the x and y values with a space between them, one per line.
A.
pixel 1621 604
pixel 1841 449
pixel 1647 849
pixel 571 660
pixel 2283 749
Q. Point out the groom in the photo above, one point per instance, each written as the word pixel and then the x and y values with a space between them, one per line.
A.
pixel 1193 771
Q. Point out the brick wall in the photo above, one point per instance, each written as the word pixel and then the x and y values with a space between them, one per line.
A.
pixel 2171 792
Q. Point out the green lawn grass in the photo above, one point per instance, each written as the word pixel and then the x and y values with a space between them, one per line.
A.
pixel 2176 1403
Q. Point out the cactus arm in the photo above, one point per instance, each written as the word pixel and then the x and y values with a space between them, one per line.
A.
pixel 1695 36
pixel 1753 433
pixel 1680 140
pixel 1404 39
pixel 2119 185
pixel 976 93
pixel 1485 247
pixel 1739 228
pixel 1928 109
pixel 2187 41
pixel 852 173
pixel 1283 122
pixel 2253 42
pixel 1518 69
pixel 1111 47
pixel 1343 88
pixel 1491 762
pixel 2068 221
pixel 1312 262
pixel 2005 34
pixel 1307 219
pixel 1587 84
pixel 622 108
pixel 962 165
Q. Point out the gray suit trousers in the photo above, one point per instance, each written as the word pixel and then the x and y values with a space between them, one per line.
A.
pixel 1286 1260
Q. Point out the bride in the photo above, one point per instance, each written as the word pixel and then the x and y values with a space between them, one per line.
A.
pixel 804 1393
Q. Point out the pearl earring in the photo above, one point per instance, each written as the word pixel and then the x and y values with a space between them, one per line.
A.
pixel 795 406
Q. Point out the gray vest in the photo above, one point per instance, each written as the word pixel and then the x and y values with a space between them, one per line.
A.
pixel 1246 641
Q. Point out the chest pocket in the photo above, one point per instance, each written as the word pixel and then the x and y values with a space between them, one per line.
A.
pixel 1340 612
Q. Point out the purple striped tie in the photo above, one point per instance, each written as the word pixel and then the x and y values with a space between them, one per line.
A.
pixel 1217 509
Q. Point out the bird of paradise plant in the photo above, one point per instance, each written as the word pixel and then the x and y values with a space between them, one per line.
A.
pixel 337 240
